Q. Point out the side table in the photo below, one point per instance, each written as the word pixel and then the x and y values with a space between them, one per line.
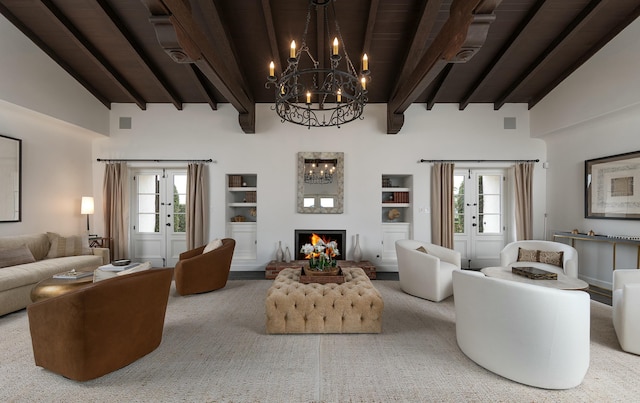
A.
pixel 100 242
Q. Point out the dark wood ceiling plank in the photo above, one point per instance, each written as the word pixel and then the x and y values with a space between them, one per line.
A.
pixel 141 55
pixel 586 56
pixel 420 37
pixel 459 39
pixel 572 30
pixel 199 50
pixel 86 47
pixel 53 55
pixel 202 86
pixel 513 38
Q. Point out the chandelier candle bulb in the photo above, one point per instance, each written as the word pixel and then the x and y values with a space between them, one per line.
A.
pixel 364 83
pixel 292 54
pixel 335 46
pixel 272 69
pixel 365 62
pixel 339 96
pixel 308 97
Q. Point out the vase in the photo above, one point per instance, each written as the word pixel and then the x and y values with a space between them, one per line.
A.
pixel 287 255
pixel 357 253
pixel 279 252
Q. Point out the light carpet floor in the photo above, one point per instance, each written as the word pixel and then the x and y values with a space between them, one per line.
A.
pixel 215 349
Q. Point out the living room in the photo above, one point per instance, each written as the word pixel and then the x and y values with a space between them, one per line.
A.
pixel 64 130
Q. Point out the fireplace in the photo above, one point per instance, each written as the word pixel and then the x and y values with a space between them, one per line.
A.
pixel 303 236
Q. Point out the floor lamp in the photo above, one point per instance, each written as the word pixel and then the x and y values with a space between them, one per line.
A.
pixel 87 208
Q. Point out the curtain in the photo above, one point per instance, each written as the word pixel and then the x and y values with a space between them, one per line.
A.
pixel 442 204
pixel 116 208
pixel 524 200
pixel 196 206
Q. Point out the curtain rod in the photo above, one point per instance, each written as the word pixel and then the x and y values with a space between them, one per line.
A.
pixel 537 160
pixel 151 160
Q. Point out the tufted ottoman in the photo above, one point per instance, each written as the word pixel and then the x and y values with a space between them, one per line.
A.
pixel 352 307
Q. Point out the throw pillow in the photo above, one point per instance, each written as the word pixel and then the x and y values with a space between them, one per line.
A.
pixel 215 244
pixel 67 246
pixel 421 249
pixel 15 256
pixel 135 269
pixel 527 255
pixel 554 258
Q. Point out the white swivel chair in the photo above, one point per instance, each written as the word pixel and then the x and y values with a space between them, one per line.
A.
pixel 535 335
pixel 626 308
pixel 425 269
pixel 509 256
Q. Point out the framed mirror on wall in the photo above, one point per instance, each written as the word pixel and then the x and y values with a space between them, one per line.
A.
pixel 10 179
pixel 320 182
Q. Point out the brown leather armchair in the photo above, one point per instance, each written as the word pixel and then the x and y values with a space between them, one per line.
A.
pixel 196 272
pixel 102 327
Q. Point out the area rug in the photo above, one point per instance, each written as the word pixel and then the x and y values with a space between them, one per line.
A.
pixel 215 349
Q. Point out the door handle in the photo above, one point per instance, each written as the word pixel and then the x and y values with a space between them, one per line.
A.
pixel 168 224
pixel 473 225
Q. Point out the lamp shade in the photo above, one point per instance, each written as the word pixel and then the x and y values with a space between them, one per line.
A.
pixel 87 205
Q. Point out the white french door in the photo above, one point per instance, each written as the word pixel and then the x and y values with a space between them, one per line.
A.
pixel 158 215
pixel 479 216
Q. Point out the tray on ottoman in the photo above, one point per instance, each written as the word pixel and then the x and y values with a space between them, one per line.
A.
pixel 307 277
pixel 534 273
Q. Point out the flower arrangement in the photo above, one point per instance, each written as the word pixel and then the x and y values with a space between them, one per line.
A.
pixel 321 253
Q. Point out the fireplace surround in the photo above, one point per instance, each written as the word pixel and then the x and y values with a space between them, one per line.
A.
pixel 303 236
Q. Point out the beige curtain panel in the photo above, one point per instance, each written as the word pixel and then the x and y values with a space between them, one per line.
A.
pixel 524 200
pixel 197 217
pixel 442 204
pixel 116 208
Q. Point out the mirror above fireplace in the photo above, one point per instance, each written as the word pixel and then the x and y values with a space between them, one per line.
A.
pixel 320 182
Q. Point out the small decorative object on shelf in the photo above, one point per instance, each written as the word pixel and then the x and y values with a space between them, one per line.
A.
pixel 279 253
pixel 321 254
pixel 591 233
pixel 287 255
pixel 575 231
pixel 393 214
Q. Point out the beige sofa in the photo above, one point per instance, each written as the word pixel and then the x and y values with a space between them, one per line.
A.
pixel 17 281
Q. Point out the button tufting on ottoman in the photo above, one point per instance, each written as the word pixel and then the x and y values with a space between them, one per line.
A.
pixel 352 307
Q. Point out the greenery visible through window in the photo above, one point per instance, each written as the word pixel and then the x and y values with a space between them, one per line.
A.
pixel 458 203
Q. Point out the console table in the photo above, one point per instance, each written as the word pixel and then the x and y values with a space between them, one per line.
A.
pixel 600 238
pixel 273 268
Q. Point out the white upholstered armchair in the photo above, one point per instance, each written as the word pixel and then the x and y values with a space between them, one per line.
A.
pixel 535 335
pixel 569 261
pixel 425 269
pixel 626 308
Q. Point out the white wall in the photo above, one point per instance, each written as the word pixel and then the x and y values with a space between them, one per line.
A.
pixel 594 113
pixel 56 171
pixel 197 132
pixel 29 78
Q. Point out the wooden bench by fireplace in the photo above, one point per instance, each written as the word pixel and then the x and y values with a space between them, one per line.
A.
pixel 273 268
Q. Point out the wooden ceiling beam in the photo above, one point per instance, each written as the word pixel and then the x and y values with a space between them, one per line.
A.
pixel 581 21
pixel 438 84
pixel 141 55
pixel 271 34
pixel 53 55
pixel 430 9
pixel 93 53
pixel 462 35
pixel 371 24
pixel 201 81
pixel 586 56
pixel 509 44
pixel 181 37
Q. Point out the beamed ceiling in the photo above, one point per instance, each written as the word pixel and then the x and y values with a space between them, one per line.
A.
pixel 420 51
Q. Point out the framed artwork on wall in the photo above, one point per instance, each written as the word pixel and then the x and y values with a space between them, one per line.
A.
pixel 612 187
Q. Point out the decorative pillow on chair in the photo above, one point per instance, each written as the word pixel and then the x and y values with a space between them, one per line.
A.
pixel 99 274
pixel 15 256
pixel 554 258
pixel 527 255
pixel 67 246
pixel 422 249
pixel 215 244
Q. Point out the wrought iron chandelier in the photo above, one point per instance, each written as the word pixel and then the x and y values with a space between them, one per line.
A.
pixel 314 96
pixel 319 172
